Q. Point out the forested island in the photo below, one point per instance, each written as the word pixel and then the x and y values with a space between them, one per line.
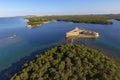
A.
pixel 93 19
pixel 69 62
pixel 36 21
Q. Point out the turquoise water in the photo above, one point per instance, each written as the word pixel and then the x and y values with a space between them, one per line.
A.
pixel 47 35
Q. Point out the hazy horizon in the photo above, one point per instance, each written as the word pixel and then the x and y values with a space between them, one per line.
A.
pixel 11 8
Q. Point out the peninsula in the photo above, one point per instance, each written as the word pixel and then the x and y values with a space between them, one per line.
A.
pixel 69 62
pixel 81 33
pixel 35 22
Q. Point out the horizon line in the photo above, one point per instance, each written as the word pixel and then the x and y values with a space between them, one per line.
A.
pixel 61 15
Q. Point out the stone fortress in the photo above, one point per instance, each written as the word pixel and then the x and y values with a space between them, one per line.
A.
pixel 81 33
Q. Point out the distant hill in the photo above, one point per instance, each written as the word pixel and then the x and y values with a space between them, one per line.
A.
pixel 30 16
pixel 110 15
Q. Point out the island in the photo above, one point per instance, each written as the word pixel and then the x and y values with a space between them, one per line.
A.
pixel 37 21
pixel 81 33
pixel 69 62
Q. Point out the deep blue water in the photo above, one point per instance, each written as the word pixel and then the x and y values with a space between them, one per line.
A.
pixel 47 35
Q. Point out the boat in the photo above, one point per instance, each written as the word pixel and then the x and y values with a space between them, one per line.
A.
pixel 13 36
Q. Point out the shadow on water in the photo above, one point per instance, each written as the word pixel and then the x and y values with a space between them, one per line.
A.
pixel 15 67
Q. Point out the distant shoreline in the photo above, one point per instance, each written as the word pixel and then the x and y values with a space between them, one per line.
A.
pixel 37 21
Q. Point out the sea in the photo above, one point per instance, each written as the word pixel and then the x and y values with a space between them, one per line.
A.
pixel 19 44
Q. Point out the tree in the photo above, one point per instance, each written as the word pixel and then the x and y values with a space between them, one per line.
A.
pixel 69 62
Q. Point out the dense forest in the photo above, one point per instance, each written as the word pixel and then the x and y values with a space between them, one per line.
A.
pixel 85 19
pixel 69 62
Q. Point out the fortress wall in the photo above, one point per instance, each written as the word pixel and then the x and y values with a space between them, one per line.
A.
pixel 82 33
pixel 70 34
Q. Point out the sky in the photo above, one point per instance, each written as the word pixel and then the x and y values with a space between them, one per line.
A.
pixel 58 7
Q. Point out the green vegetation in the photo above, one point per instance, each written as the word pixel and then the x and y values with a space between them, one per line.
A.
pixel 34 21
pixel 86 19
pixel 93 19
pixel 118 19
pixel 69 62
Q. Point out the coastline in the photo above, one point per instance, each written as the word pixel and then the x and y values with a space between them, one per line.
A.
pixel 106 52
pixel 38 21
pixel 33 26
pixel 7 73
pixel 109 53
pixel 15 67
pixel 100 56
